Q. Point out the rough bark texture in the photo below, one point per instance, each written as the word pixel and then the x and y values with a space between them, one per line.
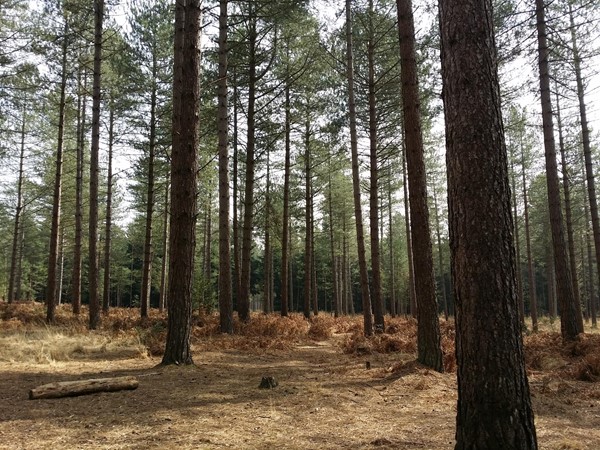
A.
pixel 95 169
pixel 165 248
pixel 57 193
pixel 184 166
pixel 225 298
pixel 411 306
pixel 428 332
pixel 308 224
pixel 360 237
pixel 571 323
pixel 494 408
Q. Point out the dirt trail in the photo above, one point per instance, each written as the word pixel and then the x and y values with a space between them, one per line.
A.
pixel 324 400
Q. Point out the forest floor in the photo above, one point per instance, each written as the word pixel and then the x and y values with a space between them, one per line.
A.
pixel 336 390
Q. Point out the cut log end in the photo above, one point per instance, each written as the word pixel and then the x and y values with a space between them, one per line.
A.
pixel 82 387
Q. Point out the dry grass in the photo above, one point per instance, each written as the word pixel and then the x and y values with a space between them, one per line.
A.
pixel 337 389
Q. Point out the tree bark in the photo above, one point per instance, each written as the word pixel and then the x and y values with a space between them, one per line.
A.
pixel 225 296
pixel 95 169
pixel 82 387
pixel 428 333
pixel 393 299
pixel 286 208
pixel 412 297
pixel 571 321
pixel 184 168
pixel 494 408
pixel 244 296
pixel 360 238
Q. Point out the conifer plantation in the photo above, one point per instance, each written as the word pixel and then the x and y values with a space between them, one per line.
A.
pixel 299 224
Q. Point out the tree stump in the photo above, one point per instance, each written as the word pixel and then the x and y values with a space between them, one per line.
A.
pixel 83 387
pixel 268 383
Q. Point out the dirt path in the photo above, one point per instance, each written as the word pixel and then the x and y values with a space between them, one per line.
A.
pixel 324 400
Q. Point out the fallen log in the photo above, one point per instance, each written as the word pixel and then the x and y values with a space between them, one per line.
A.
pixel 82 387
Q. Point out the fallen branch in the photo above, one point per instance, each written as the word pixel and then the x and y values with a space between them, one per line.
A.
pixel 82 387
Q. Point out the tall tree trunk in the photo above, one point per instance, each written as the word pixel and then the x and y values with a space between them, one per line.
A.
pixel 146 287
pixel 360 238
pixel 314 287
pixel 107 233
pixel 237 274
pixel 225 296
pixel 57 193
pixel 428 334
pixel 307 222
pixel 14 260
pixel 61 267
pixel 165 248
pixel 267 256
pixel 376 296
pixel 494 407
pixel 244 297
pixel 568 213
pixel 95 169
pixel 570 317
pixel 77 248
pixel 184 168
pixel 286 207
pixel 587 152
pixel 589 243
pixel 530 265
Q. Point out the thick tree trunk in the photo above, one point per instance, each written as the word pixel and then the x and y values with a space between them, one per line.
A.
pixel 360 238
pixel 95 169
pixel 428 334
pixel 225 296
pixel 184 167
pixel 570 317
pixel 57 193
pixel 494 408
pixel 107 231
